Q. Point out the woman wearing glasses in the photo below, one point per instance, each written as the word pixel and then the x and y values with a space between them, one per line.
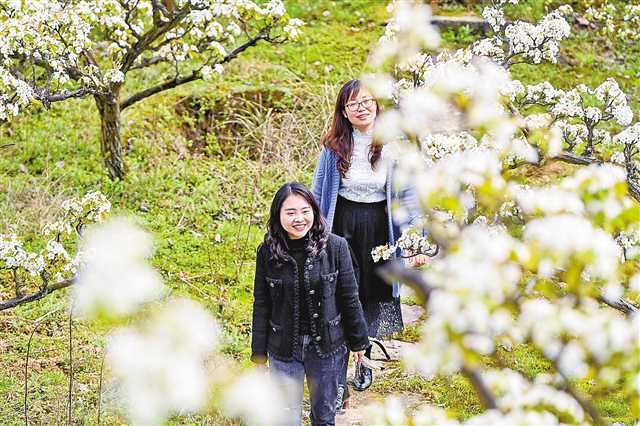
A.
pixel 353 187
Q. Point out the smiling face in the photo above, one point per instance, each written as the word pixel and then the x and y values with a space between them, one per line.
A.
pixel 296 216
pixel 361 110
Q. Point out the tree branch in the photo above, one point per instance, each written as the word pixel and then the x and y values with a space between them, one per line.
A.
pixel 396 271
pixel 195 75
pixel 570 157
pixel 170 84
pixel 147 62
pixel 486 397
pixel 634 188
pixel 70 391
pixel 12 303
pixel 145 40
pixel 37 324
pixel 621 305
pixel 585 404
pixel 64 95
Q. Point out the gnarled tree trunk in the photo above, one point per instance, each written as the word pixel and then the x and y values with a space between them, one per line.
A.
pixel 110 145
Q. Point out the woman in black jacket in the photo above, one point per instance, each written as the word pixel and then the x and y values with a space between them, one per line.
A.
pixel 306 310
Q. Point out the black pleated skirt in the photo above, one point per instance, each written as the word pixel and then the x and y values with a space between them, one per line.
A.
pixel 365 226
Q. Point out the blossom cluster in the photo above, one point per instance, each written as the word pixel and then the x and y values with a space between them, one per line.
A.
pixel 61 42
pixel 436 146
pixel 412 242
pixel 159 365
pixel 607 102
pixel 519 401
pixel 521 41
pixel 115 278
pixel 620 21
pixel 92 208
pixel 580 113
pixel 519 264
pixel 630 243
pixel 53 262
pixel 383 252
pixel 629 136
pixel 14 256
pixel 583 340
pixel 406 33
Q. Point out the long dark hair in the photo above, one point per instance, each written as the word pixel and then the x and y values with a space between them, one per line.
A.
pixel 275 239
pixel 339 138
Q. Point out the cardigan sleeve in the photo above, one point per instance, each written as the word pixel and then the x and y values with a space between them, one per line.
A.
pixel 319 176
pixel 408 200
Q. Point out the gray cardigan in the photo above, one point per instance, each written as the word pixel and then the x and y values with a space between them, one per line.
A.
pixel 326 182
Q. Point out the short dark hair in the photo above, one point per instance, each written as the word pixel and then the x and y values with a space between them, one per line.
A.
pixel 275 239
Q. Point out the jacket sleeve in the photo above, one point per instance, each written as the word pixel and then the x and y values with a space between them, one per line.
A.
pixel 355 326
pixel 261 312
pixel 318 176
pixel 410 203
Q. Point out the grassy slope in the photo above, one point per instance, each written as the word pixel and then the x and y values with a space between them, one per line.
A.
pixel 221 190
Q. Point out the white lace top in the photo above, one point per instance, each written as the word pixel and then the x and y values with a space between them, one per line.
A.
pixel 361 183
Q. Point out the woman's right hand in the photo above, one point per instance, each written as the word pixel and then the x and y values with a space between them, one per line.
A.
pixel 358 356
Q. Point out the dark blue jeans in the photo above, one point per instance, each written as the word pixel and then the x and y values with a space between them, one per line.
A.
pixel 322 380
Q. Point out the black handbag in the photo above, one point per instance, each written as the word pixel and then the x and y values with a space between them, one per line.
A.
pixel 363 376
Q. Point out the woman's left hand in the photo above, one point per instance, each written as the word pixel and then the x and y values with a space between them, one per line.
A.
pixel 358 356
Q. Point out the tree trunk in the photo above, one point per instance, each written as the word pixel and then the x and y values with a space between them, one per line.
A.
pixel 110 146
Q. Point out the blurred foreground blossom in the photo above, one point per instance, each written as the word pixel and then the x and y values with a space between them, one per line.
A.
pixel 517 264
pixel 257 398
pixel 115 277
pixel 406 33
pixel 160 367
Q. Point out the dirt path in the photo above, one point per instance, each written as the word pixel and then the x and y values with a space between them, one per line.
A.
pixel 356 414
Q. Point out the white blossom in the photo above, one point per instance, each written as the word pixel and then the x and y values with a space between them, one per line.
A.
pixel 563 237
pixel 114 77
pixel 408 31
pixel 160 367
pixel 292 29
pixel 115 278
pixel 268 401
pixel 547 201
pixel 630 136
pixel 630 242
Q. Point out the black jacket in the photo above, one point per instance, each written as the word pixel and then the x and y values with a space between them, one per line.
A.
pixel 331 294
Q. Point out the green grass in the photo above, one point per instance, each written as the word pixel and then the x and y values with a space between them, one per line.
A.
pixel 208 199
pixel 453 393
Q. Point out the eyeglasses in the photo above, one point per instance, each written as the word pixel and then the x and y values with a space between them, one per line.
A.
pixel 354 106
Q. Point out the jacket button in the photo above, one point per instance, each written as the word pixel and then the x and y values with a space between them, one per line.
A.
pixel 312 292
pixel 315 315
pixel 318 338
